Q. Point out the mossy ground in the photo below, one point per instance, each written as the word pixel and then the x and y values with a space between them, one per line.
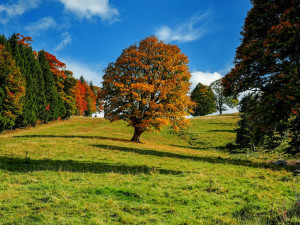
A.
pixel 85 171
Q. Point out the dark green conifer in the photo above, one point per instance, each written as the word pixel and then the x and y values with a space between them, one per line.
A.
pixel 22 58
pixel 53 100
pixel 37 76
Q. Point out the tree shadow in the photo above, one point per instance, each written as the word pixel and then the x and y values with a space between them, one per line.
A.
pixel 223 124
pixel 222 148
pixel 72 136
pixel 24 165
pixel 187 147
pixel 229 131
pixel 213 160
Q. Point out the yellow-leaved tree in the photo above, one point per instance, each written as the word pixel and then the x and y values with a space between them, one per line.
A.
pixel 147 86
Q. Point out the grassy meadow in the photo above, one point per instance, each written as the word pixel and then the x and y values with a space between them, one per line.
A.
pixel 85 171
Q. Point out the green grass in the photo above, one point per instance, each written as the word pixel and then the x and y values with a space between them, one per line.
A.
pixel 85 171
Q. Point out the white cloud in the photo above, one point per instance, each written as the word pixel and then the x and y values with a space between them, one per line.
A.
pixel 92 8
pixel 67 38
pixel 188 31
pixel 44 24
pixel 10 11
pixel 203 78
pixel 90 72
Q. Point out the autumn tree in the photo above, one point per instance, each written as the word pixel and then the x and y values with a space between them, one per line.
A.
pixel 98 99
pixel 12 90
pixel 81 103
pixel 267 62
pixel 221 99
pixel 147 86
pixel 205 101
pixel 91 100
pixel 51 92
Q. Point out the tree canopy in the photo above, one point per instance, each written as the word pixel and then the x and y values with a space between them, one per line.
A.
pixel 35 87
pixel 147 86
pixel 221 99
pixel 12 90
pixel 205 100
pixel 267 62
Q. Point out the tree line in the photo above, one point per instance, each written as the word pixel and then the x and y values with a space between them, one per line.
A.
pixel 35 87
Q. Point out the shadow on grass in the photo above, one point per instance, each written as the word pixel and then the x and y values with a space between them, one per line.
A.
pixel 199 147
pixel 119 168
pixel 73 136
pixel 27 165
pixel 218 131
pixel 223 124
pixel 214 160
pixel 187 147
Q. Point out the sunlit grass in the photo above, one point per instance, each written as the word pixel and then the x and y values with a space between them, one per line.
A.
pixel 85 171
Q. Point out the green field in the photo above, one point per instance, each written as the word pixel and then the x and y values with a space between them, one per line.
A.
pixel 85 171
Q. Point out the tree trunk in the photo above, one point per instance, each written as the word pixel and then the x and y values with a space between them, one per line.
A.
pixel 219 107
pixel 137 134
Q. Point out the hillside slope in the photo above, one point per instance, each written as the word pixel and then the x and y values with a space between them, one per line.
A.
pixel 85 171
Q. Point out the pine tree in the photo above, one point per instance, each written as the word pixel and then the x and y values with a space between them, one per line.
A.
pixel 53 101
pixel 69 92
pixel 249 133
pixel 22 58
pixel 58 72
pixel 37 76
pixel 12 90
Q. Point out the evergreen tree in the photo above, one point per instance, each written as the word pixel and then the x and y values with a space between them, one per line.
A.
pixel 22 58
pixel 82 80
pixel 267 62
pixel 69 92
pixel 249 133
pixel 90 99
pixel 204 97
pixel 37 76
pixel 57 69
pixel 53 100
pixel 92 87
pixel 12 90
pixel 3 41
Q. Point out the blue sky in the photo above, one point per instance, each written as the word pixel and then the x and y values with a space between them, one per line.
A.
pixel 88 34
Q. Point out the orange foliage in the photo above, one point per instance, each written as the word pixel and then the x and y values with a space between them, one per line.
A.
pixel 26 41
pixel 47 108
pixel 81 102
pixel 90 98
pixel 57 67
pixel 148 86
